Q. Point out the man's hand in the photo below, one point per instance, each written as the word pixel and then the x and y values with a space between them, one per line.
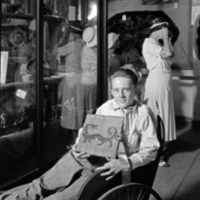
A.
pixel 79 155
pixel 113 166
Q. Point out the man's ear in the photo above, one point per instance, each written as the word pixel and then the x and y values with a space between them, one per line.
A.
pixel 111 90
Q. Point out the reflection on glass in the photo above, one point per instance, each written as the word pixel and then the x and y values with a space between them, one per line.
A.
pixel 17 99
pixel 70 82
pixel 77 64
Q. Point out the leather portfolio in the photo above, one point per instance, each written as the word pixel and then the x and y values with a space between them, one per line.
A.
pixel 101 135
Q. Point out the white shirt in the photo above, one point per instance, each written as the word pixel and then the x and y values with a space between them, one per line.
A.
pixel 139 128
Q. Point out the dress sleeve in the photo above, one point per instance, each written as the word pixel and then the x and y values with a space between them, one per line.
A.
pixel 153 48
pixel 66 49
pixel 149 143
pixel 151 52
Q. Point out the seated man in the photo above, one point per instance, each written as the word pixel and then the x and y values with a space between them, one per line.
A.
pixel 64 180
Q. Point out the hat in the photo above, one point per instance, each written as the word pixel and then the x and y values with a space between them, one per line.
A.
pixel 32 25
pixel 90 36
pixel 112 38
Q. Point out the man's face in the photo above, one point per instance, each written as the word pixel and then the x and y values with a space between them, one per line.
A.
pixel 123 91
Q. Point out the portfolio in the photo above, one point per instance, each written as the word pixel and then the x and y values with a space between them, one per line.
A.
pixel 101 135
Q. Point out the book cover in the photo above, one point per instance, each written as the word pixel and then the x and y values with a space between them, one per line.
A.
pixel 101 135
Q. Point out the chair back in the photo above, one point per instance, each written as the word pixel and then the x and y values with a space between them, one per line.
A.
pixel 160 134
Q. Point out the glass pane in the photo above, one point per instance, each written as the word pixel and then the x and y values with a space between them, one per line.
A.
pixel 17 96
pixel 69 87
pixel 76 58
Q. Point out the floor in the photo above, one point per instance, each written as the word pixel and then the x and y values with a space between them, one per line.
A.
pixel 181 181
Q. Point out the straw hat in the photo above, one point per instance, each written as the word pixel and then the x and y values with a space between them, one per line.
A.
pixel 112 38
pixel 90 36
pixel 32 25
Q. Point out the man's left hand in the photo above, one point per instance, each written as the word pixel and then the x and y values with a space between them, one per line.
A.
pixel 113 166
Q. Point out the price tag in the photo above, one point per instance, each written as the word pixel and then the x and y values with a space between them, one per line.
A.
pixel 175 5
pixel 21 93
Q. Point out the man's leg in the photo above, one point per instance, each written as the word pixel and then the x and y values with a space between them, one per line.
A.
pixel 71 192
pixel 56 178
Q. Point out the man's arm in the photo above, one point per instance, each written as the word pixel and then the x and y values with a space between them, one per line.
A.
pixel 149 142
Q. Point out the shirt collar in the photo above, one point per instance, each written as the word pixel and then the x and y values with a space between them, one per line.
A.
pixel 115 106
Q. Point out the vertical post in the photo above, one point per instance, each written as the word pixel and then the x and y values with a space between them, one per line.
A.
pixel 55 9
pixel 102 72
pixel 39 80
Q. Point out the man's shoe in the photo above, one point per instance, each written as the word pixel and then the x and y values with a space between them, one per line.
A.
pixel 163 163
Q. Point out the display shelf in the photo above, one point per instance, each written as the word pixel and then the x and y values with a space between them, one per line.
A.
pixel 30 17
pixel 20 83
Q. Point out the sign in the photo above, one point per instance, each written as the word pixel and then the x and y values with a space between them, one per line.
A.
pixel 4 66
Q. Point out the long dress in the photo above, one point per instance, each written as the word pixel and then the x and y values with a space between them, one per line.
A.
pixel 158 87
pixel 80 91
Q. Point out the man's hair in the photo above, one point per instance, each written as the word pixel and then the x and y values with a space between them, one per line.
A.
pixel 126 73
pixel 131 56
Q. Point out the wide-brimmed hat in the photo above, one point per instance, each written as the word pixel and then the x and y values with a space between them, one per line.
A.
pixel 112 38
pixel 90 36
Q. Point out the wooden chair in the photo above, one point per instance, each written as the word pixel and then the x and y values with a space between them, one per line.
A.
pixel 142 178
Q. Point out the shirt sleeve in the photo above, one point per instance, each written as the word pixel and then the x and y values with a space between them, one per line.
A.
pixel 149 144
pixel 79 135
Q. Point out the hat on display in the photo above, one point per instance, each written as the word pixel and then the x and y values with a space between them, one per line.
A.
pixel 90 36
pixel 32 25
pixel 112 38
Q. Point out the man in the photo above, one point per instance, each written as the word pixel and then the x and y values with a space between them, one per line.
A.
pixel 64 180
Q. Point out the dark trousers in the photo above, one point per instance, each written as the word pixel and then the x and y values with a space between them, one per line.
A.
pixel 62 182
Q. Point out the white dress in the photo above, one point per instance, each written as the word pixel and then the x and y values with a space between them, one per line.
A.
pixel 158 87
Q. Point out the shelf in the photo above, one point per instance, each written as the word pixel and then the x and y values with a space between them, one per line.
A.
pixel 30 17
pixel 20 83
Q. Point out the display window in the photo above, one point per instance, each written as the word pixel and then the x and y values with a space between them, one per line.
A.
pixel 49 75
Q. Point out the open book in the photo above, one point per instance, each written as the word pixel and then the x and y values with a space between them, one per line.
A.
pixel 101 135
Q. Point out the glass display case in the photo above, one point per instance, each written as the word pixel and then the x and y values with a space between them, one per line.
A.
pixel 48 83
